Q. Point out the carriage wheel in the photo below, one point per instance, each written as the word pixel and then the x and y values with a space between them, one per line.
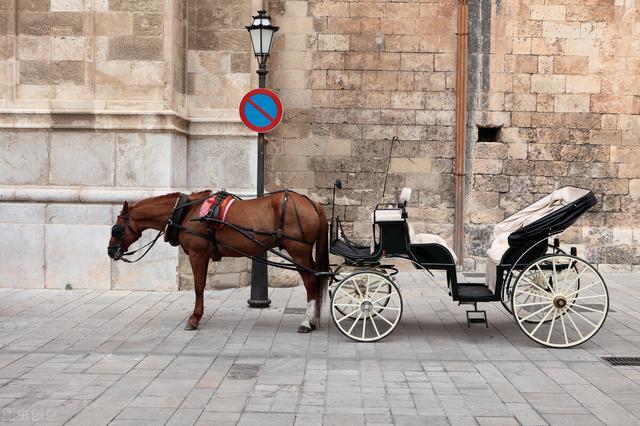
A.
pixel 384 290
pixel 560 301
pixel 362 309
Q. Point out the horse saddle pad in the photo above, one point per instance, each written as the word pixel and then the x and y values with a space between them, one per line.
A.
pixel 215 208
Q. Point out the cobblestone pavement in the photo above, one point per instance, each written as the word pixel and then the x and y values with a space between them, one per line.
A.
pixel 97 357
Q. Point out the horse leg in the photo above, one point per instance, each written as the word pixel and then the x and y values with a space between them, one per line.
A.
pixel 309 322
pixel 199 263
pixel 310 282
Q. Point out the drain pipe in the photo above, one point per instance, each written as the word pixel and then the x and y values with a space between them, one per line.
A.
pixel 461 113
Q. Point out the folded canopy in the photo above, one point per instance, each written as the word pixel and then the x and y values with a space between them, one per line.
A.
pixel 547 216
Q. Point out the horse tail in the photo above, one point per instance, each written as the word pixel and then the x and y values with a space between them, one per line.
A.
pixel 322 259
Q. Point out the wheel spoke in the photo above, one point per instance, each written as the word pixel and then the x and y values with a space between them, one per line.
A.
pixel 553 320
pixel 574 325
pixel 357 286
pixel 581 316
pixel 581 289
pixel 564 329
pixel 588 297
pixel 390 308
pixel 386 320
pixel 575 305
pixel 535 313
pixel 555 273
pixel 355 322
pixel 348 295
pixel 540 296
pixel 376 290
pixel 538 287
pixel 541 322
pixel 571 263
pixel 377 301
pixel 531 304
pixel 375 327
pixel 574 280
pixel 364 325
pixel 353 305
pixel 545 278
pixel 347 315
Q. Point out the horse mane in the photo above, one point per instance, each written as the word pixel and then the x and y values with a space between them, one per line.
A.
pixel 161 198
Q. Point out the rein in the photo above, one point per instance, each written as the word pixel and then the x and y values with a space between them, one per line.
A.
pixel 120 229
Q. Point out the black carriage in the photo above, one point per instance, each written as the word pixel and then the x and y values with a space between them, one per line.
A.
pixel 556 298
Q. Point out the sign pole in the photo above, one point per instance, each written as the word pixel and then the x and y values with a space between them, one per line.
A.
pixel 259 276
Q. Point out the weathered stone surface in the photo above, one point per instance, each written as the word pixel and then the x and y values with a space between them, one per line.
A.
pixel 136 5
pixel 214 163
pixel 22 254
pixel 79 158
pixel 83 262
pixel 148 24
pixel 25 157
pixel 135 48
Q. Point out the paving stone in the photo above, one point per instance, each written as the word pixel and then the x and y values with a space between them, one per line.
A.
pixel 121 357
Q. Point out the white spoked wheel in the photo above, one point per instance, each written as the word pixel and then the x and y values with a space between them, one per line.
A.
pixel 366 306
pixel 560 301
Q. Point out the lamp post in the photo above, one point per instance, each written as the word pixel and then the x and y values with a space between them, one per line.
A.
pixel 261 32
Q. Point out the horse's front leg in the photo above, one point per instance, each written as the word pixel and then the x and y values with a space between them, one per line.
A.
pixel 199 263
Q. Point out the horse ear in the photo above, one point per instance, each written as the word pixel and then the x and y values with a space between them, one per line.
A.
pixel 125 207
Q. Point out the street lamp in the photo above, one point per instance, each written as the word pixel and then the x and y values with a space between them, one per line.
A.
pixel 261 32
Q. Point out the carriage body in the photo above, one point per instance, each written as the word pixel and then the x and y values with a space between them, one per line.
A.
pixel 522 259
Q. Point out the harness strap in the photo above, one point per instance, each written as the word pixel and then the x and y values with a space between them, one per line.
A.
pixel 279 233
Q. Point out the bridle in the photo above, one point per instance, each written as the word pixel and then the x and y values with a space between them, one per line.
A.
pixel 119 231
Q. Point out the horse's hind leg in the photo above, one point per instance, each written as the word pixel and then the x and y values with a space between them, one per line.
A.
pixel 310 316
pixel 199 263
pixel 310 282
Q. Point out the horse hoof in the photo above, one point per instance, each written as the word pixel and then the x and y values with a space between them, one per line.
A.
pixel 304 329
pixel 190 326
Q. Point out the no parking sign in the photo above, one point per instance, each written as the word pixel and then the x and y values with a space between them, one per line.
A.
pixel 261 110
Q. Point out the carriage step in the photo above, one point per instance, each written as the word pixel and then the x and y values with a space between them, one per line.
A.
pixel 476 316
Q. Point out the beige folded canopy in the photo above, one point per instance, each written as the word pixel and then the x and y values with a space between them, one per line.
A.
pixel 552 202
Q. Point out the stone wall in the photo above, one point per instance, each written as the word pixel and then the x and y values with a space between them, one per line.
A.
pixel 562 80
pixel 355 75
pixel 107 100
pixel 101 100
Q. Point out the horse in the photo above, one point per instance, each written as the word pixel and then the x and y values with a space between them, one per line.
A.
pixel 250 228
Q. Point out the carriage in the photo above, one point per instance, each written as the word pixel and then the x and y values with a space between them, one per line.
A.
pixel 556 298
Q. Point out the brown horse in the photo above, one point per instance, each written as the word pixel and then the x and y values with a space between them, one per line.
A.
pixel 303 224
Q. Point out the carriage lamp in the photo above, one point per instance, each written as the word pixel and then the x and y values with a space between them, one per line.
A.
pixel 261 32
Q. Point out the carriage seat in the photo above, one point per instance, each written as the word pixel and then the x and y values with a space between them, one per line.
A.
pixel 430 239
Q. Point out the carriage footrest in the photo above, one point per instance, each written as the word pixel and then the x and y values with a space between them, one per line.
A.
pixel 476 316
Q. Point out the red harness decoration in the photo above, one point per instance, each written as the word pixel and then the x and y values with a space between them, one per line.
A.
pixel 216 207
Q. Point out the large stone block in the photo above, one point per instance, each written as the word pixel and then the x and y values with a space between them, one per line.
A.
pixel 82 158
pixel 77 255
pixel 150 159
pixel 22 255
pixel 25 158
pixel 135 48
pixel 65 48
pixel 222 163
pixel 79 214
pixel 22 213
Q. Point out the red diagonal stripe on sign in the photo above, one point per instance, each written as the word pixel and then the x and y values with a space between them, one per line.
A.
pixel 260 110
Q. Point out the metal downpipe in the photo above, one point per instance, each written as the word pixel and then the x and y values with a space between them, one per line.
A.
pixel 461 113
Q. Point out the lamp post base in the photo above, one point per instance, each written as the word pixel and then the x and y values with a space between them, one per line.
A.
pixel 259 284
pixel 261 304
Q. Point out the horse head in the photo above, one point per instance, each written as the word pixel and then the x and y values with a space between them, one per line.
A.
pixel 123 233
